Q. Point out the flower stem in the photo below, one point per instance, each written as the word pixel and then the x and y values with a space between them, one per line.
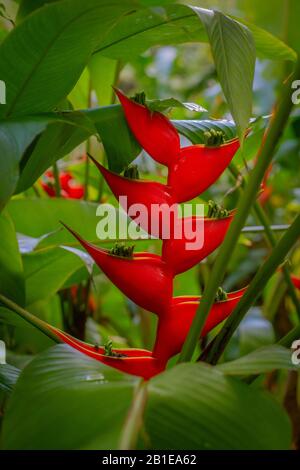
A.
pixel 134 419
pixel 216 348
pixel 265 154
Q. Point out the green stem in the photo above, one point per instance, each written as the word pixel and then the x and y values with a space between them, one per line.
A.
pixel 265 154
pixel 33 320
pixel 255 288
pixel 56 179
pixel 134 419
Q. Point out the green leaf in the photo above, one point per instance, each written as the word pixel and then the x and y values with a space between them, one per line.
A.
pixel 15 137
pixel 64 132
pixel 103 73
pixel 8 378
pixel 80 94
pixel 268 45
pixel 47 271
pixel 194 406
pixel 69 129
pixel 119 144
pixel 262 360
pixel 73 402
pixel 44 56
pixel 28 6
pixel 172 24
pixel 233 50
pixel 11 269
pixel 175 24
pixel 167 104
pixel 194 129
pixel 44 216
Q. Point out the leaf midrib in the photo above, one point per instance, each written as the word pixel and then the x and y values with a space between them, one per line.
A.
pixel 136 33
pixel 50 45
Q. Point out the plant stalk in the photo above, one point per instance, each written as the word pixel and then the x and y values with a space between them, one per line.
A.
pixel 134 419
pixel 36 322
pixel 285 244
pixel 264 157
pixel 260 214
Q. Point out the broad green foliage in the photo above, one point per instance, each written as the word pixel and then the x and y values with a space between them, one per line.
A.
pixel 190 407
pixel 11 269
pixel 15 137
pixel 8 378
pixel 262 360
pixel 43 57
pixel 73 403
pixel 194 406
pixel 233 49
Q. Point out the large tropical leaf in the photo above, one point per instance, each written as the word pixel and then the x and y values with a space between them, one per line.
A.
pixel 194 129
pixel 73 403
pixel 43 57
pixel 262 360
pixel 65 131
pixel 8 378
pixel 194 406
pixel 233 50
pixel 15 137
pixel 11 269
pixel 175 24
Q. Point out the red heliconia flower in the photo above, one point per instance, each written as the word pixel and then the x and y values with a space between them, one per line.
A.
pixel 174 326
pixel 154 132
pixel 144 278
pixel 69 188
pixel 177 253
pixel 197 168
pixel 296 281
pixel 139 362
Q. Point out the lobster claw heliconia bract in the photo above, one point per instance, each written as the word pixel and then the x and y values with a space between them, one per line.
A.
pixel 154 132
pixel 173 327
pixel 140 278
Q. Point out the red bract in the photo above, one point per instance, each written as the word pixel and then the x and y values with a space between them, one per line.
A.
pixel 174 326
pixel 197 168
pixel 137 192
pixel 132 361
pixel 140 278
pixel 176 253
pixel 69 189
pixel 152 130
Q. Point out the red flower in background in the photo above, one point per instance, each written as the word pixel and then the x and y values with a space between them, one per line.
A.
pixel 296 281
pixel 69 188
